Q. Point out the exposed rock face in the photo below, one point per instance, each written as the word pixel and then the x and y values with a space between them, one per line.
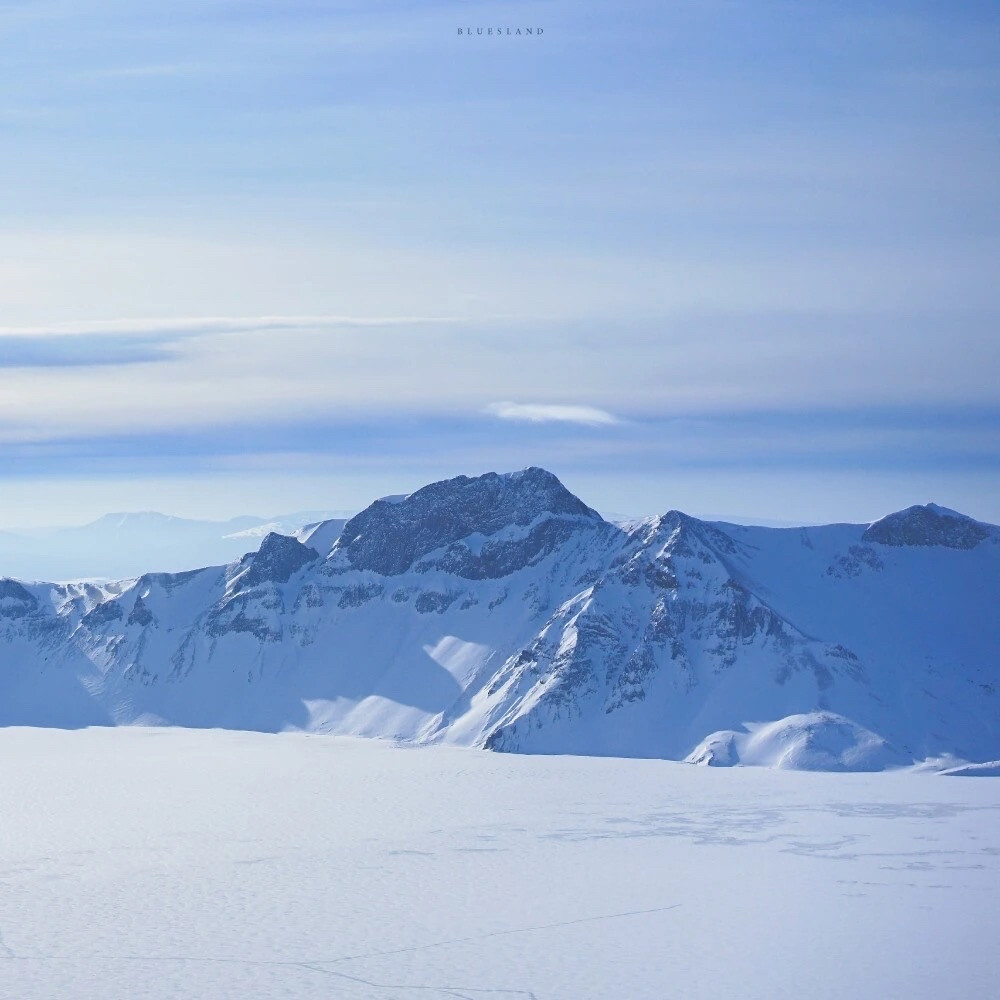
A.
pixel 501 611
pixel 278 557
pixel 668 612
pixel 140 614
pixel 105 613
pixel 390 536
pixel 15 600
pixel 928 525
pixel 499 557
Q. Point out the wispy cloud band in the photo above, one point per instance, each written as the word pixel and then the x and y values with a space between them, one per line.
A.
pixel 544 413
pixel 208 324
pixel 102 343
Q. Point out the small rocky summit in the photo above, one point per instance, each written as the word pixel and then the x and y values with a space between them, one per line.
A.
pixel 278 557
pixel 927 525
pixel 15 600
pixel 390 535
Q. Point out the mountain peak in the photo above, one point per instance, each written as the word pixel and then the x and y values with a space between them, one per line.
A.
pixel 926 525
pixel 390 535
pixel 278 557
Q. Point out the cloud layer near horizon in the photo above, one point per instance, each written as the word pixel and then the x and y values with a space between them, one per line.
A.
pixel 175 373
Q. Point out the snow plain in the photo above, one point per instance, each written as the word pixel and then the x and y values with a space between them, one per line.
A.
pixel 182 863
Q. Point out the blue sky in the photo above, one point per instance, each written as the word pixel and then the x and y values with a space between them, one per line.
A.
pixel 737 258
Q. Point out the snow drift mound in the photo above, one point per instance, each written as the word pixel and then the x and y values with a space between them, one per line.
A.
pixel 991 769
pixel 817 741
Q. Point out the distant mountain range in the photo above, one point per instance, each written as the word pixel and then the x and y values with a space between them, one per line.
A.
pixel 116 546
pixel 501 611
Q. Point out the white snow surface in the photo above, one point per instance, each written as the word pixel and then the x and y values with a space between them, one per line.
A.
pixel 815 741
pixel 321 535
pixel 153 863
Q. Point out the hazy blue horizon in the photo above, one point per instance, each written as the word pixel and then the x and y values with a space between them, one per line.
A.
pixel 731 258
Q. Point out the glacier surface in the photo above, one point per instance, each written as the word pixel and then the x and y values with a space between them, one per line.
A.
pixel 155 863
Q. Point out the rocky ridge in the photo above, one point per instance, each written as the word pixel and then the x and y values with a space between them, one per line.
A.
pixel 501 611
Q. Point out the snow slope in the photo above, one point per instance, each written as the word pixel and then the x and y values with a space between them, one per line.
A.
pixel 176 863
pixel 501 611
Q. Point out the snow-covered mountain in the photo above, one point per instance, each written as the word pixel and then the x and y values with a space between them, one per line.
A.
pixel 501 611
pixel 127 544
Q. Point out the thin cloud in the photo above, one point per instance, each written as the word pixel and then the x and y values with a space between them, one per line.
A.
pixel 209 324
pixel 545 413
pixel 102 343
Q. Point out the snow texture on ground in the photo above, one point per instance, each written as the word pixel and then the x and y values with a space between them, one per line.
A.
pixel 161 863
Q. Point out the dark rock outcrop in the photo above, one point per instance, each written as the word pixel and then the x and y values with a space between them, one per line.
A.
pixel 389 536
pixel 927 525
pixel 277 559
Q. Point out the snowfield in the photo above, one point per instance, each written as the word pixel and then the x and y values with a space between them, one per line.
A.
pixel 182 863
